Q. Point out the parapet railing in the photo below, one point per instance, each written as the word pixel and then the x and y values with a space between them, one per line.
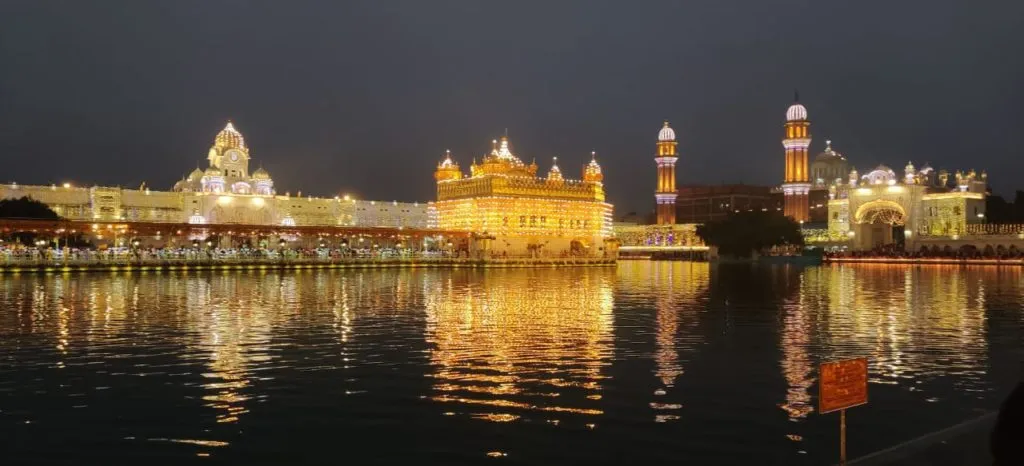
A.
pixel 168 261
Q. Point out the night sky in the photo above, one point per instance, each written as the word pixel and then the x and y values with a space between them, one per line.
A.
pixel 364 97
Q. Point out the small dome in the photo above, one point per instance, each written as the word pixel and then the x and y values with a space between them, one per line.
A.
pixel 592 172
pixel 229 138
pixel 447 162
pixel 796 112
pixel 555 174
pixel 260 174
pixel 195 175
pixel 880 175
pixel 213 171
pixel 666 133
pixel 829 155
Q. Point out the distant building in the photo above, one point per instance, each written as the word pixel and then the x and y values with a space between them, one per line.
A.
pixel 224 193
pixel 703 204
pixel 878 208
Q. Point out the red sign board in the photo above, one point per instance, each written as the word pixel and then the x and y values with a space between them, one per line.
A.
pixel 843 384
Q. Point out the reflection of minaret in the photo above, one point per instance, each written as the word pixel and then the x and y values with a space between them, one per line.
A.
pixel 675 283
pixel 797 367
pixel 796 185
pixel 666 160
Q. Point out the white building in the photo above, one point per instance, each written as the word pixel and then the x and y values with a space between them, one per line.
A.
pixel 224 193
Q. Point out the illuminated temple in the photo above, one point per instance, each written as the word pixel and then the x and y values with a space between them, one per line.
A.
pixel 521 214
pixel 922 207
pixel 225 192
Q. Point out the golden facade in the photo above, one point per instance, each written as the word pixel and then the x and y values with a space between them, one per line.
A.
pixel 224 193
pixel 504 199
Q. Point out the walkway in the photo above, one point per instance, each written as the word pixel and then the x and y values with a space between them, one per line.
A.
pixel 965 444
pixel 123 264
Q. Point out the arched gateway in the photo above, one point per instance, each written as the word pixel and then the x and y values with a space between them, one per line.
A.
pixel 876 222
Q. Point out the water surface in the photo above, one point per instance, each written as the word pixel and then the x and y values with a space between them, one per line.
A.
pixel 651 362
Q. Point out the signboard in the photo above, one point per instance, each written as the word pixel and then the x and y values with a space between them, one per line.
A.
pixel 843 384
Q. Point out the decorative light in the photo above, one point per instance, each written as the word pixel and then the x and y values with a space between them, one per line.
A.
pixel 67 185
pixel 257 201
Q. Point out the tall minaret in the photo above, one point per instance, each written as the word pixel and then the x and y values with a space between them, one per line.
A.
pixel 796 185
pixel 666 159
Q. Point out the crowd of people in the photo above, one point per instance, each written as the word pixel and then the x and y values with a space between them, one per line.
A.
pixel 935 252
pixel 21 253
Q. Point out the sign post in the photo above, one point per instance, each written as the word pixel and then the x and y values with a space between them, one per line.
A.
pixel 843 384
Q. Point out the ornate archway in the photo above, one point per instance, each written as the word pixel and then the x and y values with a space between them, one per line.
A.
pixel 881 212
pixel 879 223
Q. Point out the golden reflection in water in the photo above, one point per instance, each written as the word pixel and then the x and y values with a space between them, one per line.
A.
pixel 672 283
pixel 509 344
pixel 233 334
pixel 797 329
pixel 915 324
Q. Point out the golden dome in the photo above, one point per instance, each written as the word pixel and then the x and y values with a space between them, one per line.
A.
pixel 229 138
pixel 447 169
pixel 213 171
pixel 195 175
pixel 592 172
pixel 260 174
pixel 501 161
pixel 555 174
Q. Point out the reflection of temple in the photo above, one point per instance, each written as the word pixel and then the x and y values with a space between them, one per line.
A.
pixel 890 328
pixel 226 192
pixel 506 348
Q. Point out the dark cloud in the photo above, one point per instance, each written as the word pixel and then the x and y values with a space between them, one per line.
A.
pixel 364 96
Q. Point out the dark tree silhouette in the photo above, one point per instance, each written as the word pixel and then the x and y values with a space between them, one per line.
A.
pixel 743 233
pixel 26 207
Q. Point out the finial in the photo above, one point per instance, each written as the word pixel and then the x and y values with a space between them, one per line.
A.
pixel 666 124
pixel 506 132
pixel 593 156
pixel 554 159
pixel 796 95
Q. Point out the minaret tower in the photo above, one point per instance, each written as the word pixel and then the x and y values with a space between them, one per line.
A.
pixel 666 160
pixel 796 185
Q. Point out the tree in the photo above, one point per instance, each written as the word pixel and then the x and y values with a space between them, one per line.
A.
pixel 26 207
pixel 743 233
pixel 997 210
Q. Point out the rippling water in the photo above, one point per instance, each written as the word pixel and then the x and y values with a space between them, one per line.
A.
pixel 650 362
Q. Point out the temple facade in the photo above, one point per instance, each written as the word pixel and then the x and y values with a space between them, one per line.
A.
pixel 881 208
pixel 517 213
pixel 226 192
